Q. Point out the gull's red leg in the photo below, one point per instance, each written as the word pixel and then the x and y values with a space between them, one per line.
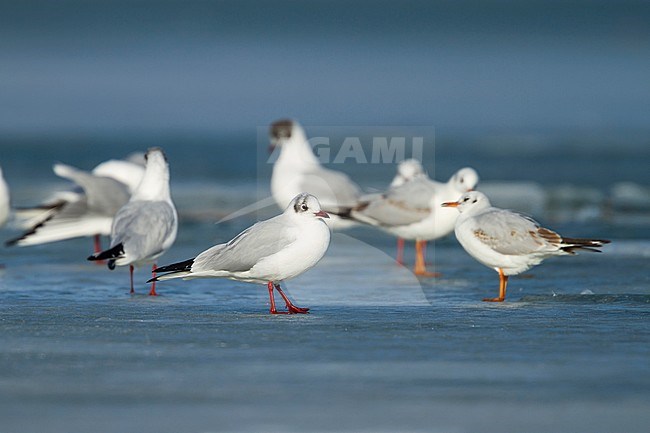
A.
pixel 131 274
pixel 292 308
pixel 272 300
pixel 400 251
pixel 97 242
pixel 152 292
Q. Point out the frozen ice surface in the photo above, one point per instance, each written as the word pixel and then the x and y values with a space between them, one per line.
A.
pixel 381 350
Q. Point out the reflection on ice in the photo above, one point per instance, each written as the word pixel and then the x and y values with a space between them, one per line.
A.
pixel 347 275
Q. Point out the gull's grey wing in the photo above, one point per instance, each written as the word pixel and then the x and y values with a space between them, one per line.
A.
pixel 335 190
pixel 247 248
pixel 415 194
pixel 402 205
pixel 127 172
pixel 104 195
pixel 142 227
pixel 90 213
pixel 510 233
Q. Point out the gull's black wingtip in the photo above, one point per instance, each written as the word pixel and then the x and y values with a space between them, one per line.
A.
pixel 12 242
pixel 113 253
pixel 174 268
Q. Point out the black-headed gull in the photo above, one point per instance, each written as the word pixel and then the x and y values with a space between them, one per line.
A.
pixel 86 210
pixel 5 207
pixel 269 252
pixel 298 170
pixel 508 242
pixel 145 227
pixel 412 211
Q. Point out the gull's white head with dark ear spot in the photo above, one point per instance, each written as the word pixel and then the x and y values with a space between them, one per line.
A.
pixel 306 206
pixel 473 200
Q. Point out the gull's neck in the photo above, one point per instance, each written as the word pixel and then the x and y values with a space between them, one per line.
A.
pixel 297 152
pixel 154 184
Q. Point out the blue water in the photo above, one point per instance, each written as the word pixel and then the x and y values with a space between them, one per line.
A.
pixel 380 351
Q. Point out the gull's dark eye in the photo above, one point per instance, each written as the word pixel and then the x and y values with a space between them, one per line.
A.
pixel 466 198
pixel 462 180
pixel 474 201
pixel 304 207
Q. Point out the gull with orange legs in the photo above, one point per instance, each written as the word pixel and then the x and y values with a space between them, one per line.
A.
pixel 508 242
pixel 412 211
pixel 269 252
pixel 145 227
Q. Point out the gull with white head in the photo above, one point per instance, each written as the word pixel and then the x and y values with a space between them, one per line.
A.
pixel 412 211
pixel 269 252
pixel 508 242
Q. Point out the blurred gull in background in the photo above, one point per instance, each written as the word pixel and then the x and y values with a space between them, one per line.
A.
pixel 87 209
pixel 412 211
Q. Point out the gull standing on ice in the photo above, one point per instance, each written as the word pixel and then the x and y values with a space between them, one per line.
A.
pixel 508 242
pixel 86 210
pixel 297 170
pixel 269 252
pixel 146 226
pixel 412 211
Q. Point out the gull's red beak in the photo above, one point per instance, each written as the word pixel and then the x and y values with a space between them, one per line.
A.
pixel 322 214
pixel 450 204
